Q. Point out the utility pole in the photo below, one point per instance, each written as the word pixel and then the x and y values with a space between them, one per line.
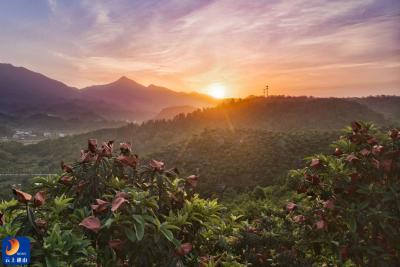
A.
pixel 266 91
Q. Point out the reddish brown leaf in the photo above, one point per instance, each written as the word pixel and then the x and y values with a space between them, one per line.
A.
pixel 344 252
pixel 354 177
pixel 372 141
pixel 320 213
pixel 299 218
pixel 81 185
pixel 129 160
pixel 92 145
pixel 315 180
pixel 101 206
pixel 321 225
pixel 192 180
pixel 184 249
pixel 91 223
pixel 394 134
pixel 22 196
pixel 387 165
pixel 356 126
pixel 126 148
pixel 118 203
pixel 107 149
pixel 291 206
pixel 122 194
pixel 204 261
pixel 156 165
pixel 39 198
pixel 301 189
pixel 352 158
pixel 356 138
pixel 252 229
pixel 41 224
pixel 365 152
pixel 66 168
pixel 88 156
pixel 2 219
pixel 375 163
pixel 377 150
pixel 66 180
pixel 315 163
pixel 338 152
pixel 329 204
pixel 116 244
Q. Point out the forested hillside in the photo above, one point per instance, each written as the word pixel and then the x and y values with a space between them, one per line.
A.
pixel 242 159
pixel 389 106
pixel 110 209
pixel 239 144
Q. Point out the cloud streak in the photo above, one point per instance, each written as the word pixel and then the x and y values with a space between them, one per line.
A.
pixel 298 47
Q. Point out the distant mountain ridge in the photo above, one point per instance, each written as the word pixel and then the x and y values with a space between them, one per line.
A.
pixel 24 92
pixel 139 98
pixel 20 87
pixel 171 112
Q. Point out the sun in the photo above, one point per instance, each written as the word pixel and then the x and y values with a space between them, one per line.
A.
pixel 216 90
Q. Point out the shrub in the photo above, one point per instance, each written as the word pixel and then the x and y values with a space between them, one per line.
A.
pixel 349 210
pixel 110 210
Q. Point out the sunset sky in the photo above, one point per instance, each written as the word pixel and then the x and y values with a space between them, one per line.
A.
pixel 298 47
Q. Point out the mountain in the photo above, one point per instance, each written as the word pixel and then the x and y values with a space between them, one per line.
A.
pixel 24 93
pixel 171 112
pixel 146 100
pixel 21 88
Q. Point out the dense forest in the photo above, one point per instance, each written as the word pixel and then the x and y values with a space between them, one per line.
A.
pixel 270 134
pixel 110 208
pixel 277 114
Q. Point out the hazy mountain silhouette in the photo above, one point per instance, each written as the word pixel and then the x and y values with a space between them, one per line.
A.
pixel 171 112
pixel 24 93
pixel 147 99
pixel 22 88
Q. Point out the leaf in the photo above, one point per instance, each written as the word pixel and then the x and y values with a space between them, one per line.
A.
pixel 39 199
pixel 91 223
pixel 130 234
pixel 22 196
pixel 167 233
pixel 52 261
pixel 139 226
pixel 117 203
pixel 108 223
pixel 156 165
pixel 31 218
pixel 184 249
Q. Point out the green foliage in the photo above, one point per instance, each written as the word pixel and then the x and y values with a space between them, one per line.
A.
pixel 112 210
pixel 349 206
pixel 108 210
pixel 243 159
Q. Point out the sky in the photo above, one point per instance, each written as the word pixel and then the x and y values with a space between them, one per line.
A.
pixel 297 47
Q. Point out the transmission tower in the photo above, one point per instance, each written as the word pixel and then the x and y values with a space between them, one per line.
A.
pixel 266 93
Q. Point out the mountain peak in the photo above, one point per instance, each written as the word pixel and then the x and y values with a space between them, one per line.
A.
pixel 124 79
pixel 126 82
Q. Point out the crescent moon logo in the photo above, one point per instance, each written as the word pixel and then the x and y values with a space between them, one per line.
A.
pixel 13 248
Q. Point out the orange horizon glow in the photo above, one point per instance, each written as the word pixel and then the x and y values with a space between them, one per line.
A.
pixel 217 90
pixel 319 48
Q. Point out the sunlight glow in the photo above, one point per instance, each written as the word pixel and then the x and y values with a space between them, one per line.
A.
pixel 216 90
